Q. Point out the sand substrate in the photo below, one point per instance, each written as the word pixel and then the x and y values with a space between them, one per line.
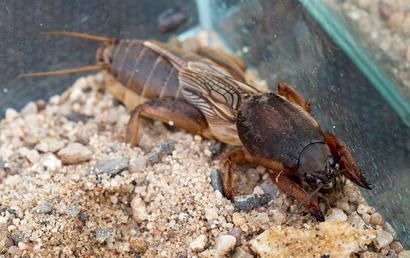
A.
pixel 70 186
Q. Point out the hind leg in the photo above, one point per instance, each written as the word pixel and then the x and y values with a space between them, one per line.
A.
pixel 180 113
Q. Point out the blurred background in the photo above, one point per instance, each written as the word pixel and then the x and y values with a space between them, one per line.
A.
pixel 349 58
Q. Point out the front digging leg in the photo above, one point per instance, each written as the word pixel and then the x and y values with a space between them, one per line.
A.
pixel 291 187
pixel 347 164
pixel 279 175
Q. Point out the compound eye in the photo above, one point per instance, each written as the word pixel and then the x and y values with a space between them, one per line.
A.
pixel 310 179
pixel 332 162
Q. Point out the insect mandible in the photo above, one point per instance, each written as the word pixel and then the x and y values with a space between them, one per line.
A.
pixel 206 93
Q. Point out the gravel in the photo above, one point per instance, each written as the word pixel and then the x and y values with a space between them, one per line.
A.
pixel 156 200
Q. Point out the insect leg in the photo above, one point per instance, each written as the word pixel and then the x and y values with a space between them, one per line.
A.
pixel 291 94
pixel 180 113
pixel 291 187
pixel 347 164
pixel 279 175
pixel 236 156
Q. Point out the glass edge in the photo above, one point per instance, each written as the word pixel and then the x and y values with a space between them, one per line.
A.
pixel 336 31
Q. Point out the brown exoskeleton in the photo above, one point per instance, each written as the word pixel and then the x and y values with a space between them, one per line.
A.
pixel 206 94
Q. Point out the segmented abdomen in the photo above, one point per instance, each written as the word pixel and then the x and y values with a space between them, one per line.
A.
pixel 143 71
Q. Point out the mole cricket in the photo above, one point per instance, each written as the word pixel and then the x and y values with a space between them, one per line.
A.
pixel 206 93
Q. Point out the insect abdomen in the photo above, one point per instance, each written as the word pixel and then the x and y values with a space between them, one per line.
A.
pixel 141 70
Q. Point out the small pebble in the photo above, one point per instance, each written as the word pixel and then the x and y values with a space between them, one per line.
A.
pixel 111 166
pixel 356 220
pixel 44 208
pixel 336 214
pixel 376 219
pixel 41 104
pixel 73 211
pixel 366 218
pixel 237 233
pixel 278 216
pixel 238 219
pixel 158 151
pixel 390 229
pixel 396 246
pixel 138 164
pixel 50 144
pixel 269 187
pixel 51 162
pixel 224 244
pixel 101 234
pixel 138 245
pixel 31 155
pixel 139 211
pixel 365 209
pixel 74 153
pixel 30 108
pixel 77 117
pixel 199 243
pixel 17 239
pixel 25 246
pixel 217 180
pixel 343 205
pixel 352 196
pixel 250 201
pixel 217 148
pixel 11 114
pixel 383 239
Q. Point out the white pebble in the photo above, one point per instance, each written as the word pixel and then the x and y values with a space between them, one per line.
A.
pixel 31 155
pixel 50 144
pixel 30 108
pixel 51 162
pixel 278 216
pixel 211 214
pixel 139 211
pixel 365 209
pixel 224 244
pixel 336 214
pixel 11 114
pixel 383 239
pixel 263 217
pixel 199 243
pixel 138 164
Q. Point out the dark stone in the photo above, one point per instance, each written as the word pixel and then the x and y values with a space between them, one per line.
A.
pixel 217 148
pixel 158 151
pixel 16 239
pixel 217 181
pixel 77 117
pixel 11 211
pixel 111 166
pixel 250 201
